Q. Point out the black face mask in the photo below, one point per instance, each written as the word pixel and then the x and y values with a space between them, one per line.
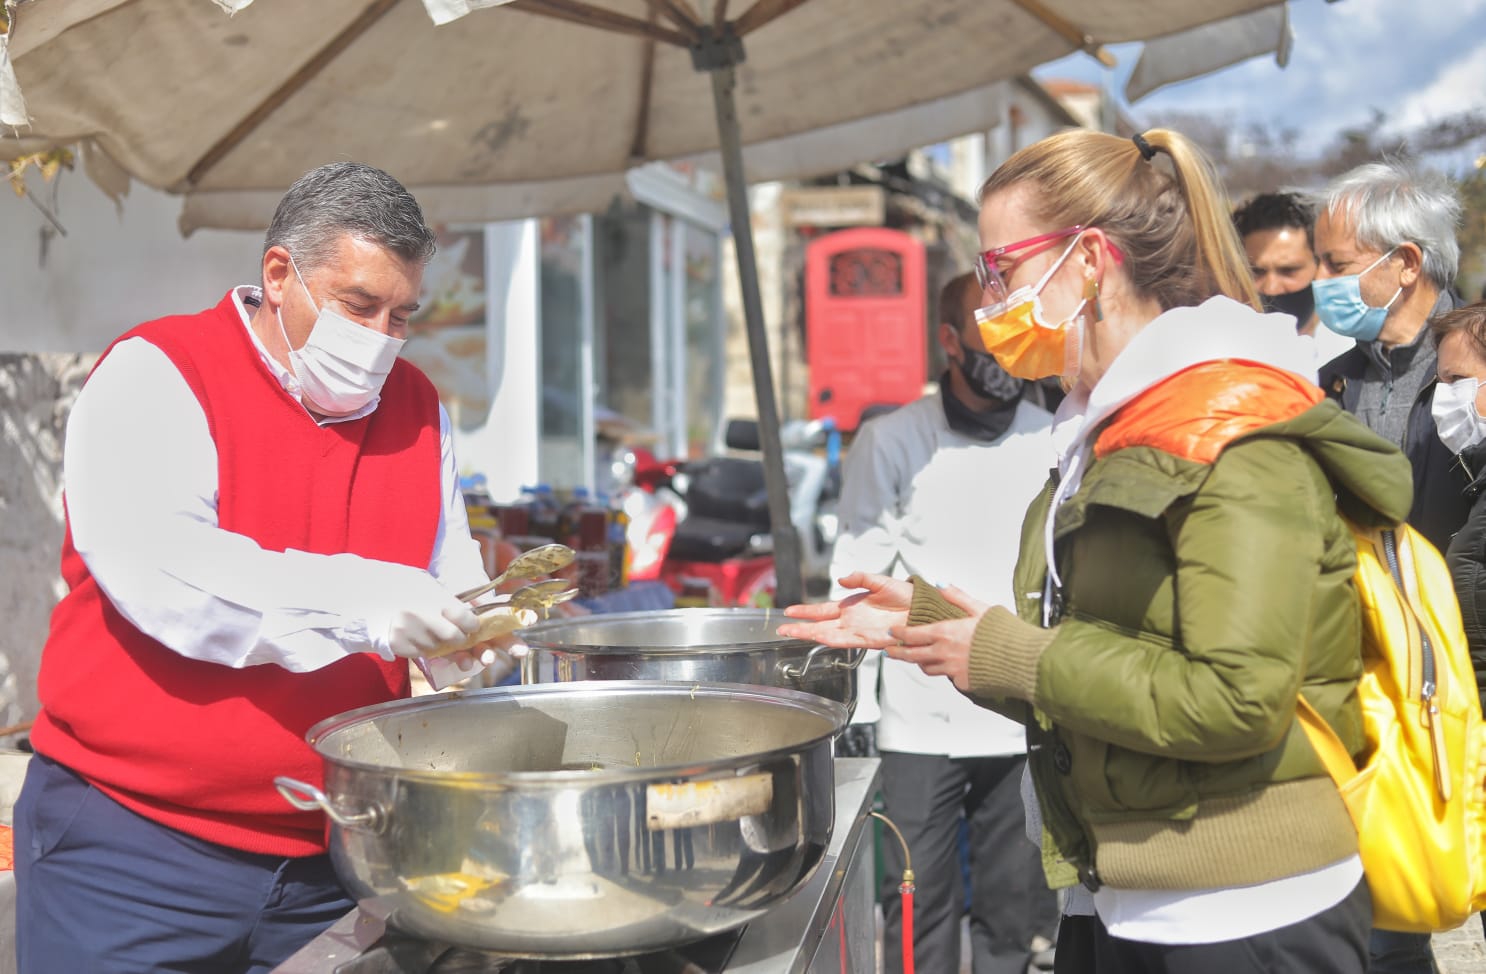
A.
pixel 986 426
pixel 1301 304
pixel 985 376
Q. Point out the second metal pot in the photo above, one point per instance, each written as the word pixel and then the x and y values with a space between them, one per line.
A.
pixel 573 821
pixel 689 645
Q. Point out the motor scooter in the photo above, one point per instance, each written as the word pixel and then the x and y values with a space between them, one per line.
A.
pixel 703 528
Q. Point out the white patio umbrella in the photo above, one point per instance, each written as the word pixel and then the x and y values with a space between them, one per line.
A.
pixel 1211 47
pixel 534 103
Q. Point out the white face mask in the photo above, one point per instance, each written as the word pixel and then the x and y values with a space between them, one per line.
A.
pixel 342 365
pixel 1454 410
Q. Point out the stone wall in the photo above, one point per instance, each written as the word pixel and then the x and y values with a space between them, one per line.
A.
pixel 36 392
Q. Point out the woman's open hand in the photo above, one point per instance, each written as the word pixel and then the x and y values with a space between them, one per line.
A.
pixel 859 621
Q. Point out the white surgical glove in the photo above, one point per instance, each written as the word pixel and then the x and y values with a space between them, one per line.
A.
pixel 424 618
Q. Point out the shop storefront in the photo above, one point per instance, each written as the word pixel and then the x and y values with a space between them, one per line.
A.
pixel 605 327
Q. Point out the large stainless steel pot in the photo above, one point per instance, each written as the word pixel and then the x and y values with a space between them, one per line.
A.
pixel 577 820
pixel 695 645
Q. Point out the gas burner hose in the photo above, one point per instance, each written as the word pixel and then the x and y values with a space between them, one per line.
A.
pixel 905 893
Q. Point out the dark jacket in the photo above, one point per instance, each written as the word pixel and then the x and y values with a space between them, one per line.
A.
pixel 1440 505
pixel 1466 557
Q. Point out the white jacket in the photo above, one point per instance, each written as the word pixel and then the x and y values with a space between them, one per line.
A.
pixel 920 499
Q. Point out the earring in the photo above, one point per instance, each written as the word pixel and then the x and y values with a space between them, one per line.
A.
pixel 1091 295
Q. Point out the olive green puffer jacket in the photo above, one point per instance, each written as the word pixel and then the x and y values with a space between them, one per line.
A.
pixel 1200 595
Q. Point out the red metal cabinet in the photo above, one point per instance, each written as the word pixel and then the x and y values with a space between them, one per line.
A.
pixel 865 314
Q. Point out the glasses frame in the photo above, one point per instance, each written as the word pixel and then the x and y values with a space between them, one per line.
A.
pixel 992 278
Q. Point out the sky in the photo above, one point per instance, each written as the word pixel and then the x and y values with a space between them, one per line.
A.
pixel 1413 60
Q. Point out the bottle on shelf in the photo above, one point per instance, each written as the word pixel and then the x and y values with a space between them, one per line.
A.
pixel 618 546
pixel 545 512
pixel 591 541
pixel 484 524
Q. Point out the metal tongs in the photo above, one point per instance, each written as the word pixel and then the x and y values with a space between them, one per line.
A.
pixel 539 561
pixel 527 604
pixel 540 597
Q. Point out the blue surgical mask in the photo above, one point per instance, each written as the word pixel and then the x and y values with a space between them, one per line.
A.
pixel 1340 307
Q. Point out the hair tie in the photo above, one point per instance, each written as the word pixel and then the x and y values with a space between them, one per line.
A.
pixel 1147 151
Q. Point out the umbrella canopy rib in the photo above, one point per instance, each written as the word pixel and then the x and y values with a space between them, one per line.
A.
pixel 762 12
pixel 373 13
pixel 678 13
pixel 587 14
pixel 1068 31
pixel 642 116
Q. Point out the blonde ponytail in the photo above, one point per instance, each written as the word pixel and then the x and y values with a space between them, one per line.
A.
pixel 1173 227
pixel 1219 249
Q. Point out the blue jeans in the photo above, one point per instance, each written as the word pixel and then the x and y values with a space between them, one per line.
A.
pixel 1400 953
pixel 103 890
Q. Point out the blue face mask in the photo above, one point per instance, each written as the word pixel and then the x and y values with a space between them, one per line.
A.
pixel 1340 307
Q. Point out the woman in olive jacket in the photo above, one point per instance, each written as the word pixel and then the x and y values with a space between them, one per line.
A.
pixel 1183 580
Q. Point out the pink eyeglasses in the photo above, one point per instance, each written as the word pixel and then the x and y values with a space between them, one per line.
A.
pixel 992 275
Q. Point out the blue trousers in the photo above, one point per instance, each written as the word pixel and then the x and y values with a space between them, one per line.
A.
pixel 103 890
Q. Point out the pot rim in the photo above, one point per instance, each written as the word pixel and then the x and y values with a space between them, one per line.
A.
pixel 832 711
pixel 532 636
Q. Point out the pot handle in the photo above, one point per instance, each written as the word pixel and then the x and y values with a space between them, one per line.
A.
pixel 798 671
pixel 372 820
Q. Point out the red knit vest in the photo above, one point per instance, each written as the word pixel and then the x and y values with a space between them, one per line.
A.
pixel 195 745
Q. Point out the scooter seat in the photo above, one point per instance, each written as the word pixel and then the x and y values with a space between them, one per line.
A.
pixel 711 539
pixel 729 489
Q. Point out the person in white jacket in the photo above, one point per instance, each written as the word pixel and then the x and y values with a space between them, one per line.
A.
pixel 938 488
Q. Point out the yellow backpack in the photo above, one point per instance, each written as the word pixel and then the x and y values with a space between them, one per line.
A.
pixel 1419 797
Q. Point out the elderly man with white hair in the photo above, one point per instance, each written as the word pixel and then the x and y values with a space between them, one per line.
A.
pixel 1385 237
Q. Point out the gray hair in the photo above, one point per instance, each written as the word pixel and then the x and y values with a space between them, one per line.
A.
pixel 1390 202
pixel 348 198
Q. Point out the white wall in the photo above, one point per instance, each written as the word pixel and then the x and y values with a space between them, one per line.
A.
pixel 769 238
pixel 75 294
pixel 111 271
pixel 505 447
pixel 35 394
pixel 1036 122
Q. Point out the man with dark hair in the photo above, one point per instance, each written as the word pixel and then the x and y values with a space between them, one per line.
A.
pixel 1277 234
pixel 938 488
pixel 263 527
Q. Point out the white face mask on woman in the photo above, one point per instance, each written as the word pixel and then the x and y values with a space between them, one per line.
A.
pixel 342 365
pixel 1455 417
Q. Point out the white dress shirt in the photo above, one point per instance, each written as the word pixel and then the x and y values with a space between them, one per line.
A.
pixel 140 483
pixel 918 498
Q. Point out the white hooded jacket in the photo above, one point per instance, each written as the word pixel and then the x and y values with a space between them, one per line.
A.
pixel 919 498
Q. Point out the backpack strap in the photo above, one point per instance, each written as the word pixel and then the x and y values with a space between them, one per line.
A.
pixel 1328 747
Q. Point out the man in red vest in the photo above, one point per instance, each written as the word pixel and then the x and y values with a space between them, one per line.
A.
pixel 263 527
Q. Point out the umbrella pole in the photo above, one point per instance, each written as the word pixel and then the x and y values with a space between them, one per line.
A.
pixel 790 582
